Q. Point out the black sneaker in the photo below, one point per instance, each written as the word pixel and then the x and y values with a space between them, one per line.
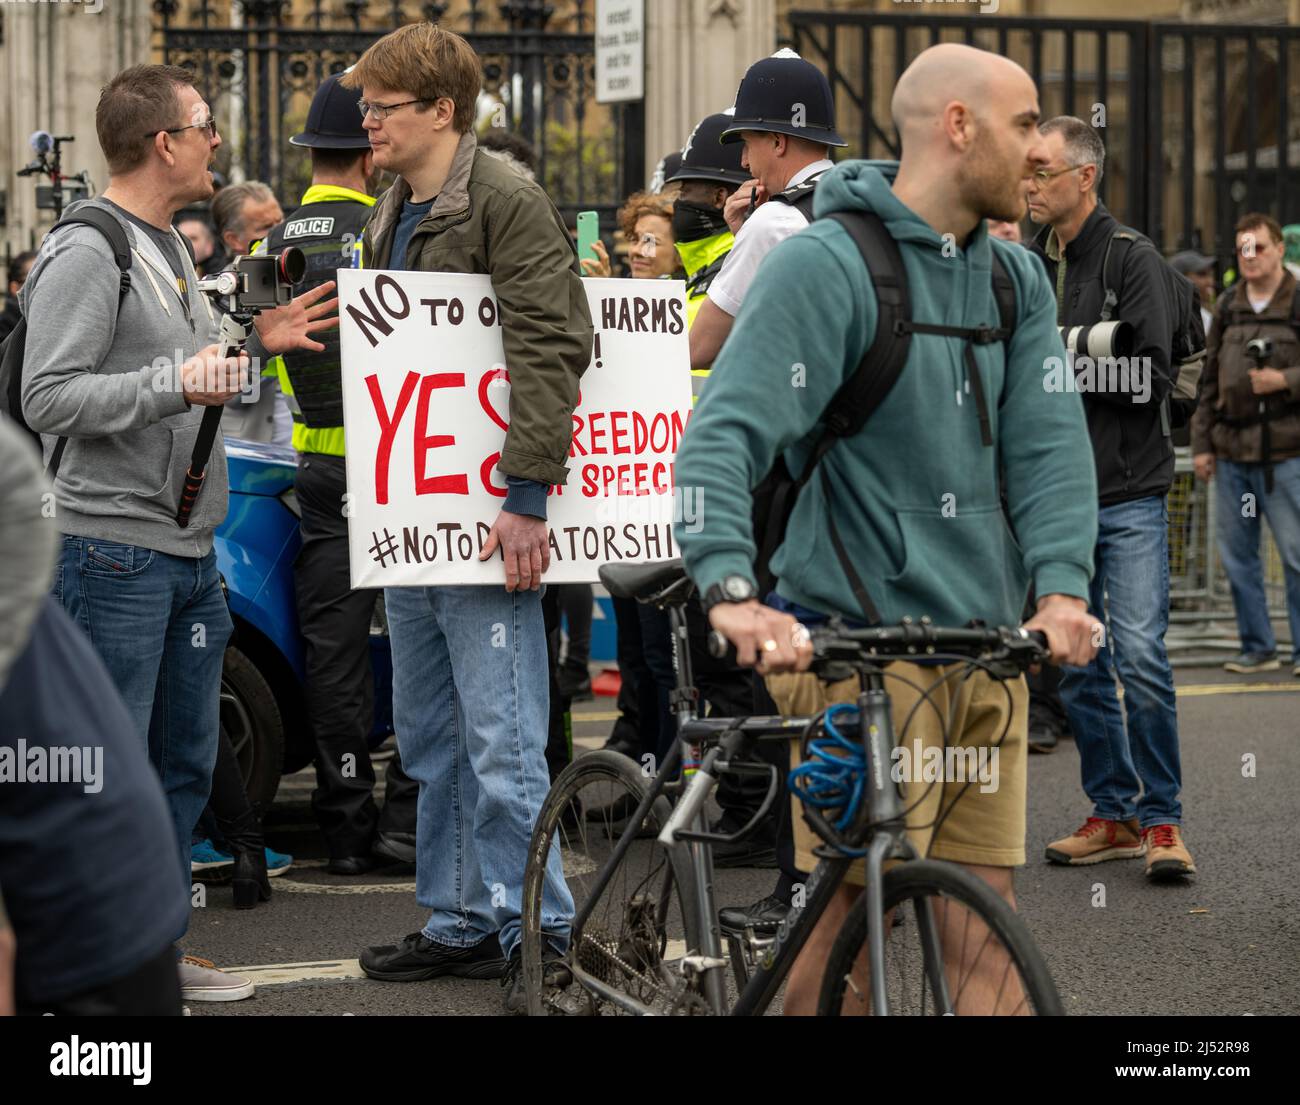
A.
pixel 756 850
pixel 1042 738
pixel 764 916
pixel 417 958
pixel 555 973
pixel 574 684
pixel 616 817
pixel 395 850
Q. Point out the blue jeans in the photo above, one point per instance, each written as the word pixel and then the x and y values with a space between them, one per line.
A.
pixel 470 704
pixel 1132 577
pixel 160 624
pixel 1239 546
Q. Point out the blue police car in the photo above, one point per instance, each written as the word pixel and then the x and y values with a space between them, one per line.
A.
pixel 262 694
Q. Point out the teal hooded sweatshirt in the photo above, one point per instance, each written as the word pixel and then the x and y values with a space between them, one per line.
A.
pixel 915 494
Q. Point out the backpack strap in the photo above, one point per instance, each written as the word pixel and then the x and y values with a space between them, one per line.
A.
pixel 108 226
pixel 1112 267
pixel 877 372
pixel 882 363
pixel 1005 293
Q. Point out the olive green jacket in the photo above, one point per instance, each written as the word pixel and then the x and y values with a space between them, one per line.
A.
pixel 489 218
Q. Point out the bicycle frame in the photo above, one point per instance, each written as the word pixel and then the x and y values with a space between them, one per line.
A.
pixel 882 811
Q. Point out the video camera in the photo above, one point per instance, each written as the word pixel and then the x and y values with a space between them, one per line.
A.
pixel 63 189
pixel 255 283
pixel 259 282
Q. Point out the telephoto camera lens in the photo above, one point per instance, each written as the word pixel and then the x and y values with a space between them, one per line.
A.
pixel 1101 339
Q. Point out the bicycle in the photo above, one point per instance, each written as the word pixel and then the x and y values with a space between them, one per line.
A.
pixel 645 938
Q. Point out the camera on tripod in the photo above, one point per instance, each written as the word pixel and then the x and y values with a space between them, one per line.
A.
pixel 258 282
pixel 64 188
pixel 1259 350
pixel 1101 339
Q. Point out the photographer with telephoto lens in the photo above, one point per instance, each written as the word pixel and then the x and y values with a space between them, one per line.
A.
pixel 1100 271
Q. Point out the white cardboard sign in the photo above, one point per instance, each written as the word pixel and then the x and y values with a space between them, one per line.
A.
pixel 426 406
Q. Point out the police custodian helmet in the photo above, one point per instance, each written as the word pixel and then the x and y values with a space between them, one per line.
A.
pixel 333 123
pixel 704 157
pixel 784 94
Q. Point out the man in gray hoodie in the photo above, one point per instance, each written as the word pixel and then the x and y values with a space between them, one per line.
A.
pixel 127 384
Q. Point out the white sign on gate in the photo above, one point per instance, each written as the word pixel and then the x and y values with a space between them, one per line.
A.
pixel 426 406
pixel 620 51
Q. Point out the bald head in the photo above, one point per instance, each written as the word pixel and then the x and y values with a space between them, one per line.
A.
pixel 968 124
pixel 951 72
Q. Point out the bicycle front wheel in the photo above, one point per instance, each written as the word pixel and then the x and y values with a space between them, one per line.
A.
pixel 961 950
pixel 642 920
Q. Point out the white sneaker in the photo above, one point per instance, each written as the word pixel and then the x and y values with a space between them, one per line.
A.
pixel 201 981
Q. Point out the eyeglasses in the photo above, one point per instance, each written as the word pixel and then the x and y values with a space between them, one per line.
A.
pixel 209 124
pixel 383 111
pixel 1042 176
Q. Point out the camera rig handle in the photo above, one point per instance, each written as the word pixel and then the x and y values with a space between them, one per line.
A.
pixel 244 296
pixel 234 333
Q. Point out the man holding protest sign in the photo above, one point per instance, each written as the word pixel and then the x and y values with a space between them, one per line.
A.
pixel 470 693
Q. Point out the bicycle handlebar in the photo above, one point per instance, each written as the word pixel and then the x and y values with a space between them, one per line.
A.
pixel 837 647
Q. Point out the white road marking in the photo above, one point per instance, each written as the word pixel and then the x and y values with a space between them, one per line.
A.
pixel 324 970
pixel 277 974
pixel 1197 690
pixel 294 887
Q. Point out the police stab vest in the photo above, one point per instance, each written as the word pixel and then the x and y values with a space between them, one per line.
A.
pixel 326 232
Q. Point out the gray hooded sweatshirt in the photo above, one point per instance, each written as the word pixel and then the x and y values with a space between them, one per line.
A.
pixel 108 380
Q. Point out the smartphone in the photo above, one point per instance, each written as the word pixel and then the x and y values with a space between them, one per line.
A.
pixel 588 233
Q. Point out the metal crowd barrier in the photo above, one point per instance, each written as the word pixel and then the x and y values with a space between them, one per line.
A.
pixel 1202 624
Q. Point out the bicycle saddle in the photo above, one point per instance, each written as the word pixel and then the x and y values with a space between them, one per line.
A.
pixel 641 581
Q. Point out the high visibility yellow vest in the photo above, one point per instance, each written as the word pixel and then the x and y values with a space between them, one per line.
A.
pixel 318 439
pixel 702 260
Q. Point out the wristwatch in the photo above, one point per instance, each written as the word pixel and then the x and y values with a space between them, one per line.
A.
pixel 733 588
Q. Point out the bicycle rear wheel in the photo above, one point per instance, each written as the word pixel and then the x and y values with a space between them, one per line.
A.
pixel 996 967
pixel 640 925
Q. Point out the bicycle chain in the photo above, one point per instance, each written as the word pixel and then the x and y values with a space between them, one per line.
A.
pixel 679 998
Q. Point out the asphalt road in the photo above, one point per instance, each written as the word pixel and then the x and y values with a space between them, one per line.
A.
pixel 1225 944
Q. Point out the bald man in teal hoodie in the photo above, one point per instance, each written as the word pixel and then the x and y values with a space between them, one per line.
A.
pixel 915 495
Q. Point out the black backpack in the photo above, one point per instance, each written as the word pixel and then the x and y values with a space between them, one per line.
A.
pixel 14 347
pixel 866 389
pixel 1187 345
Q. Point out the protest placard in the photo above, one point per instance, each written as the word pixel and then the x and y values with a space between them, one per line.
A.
pixel 426 406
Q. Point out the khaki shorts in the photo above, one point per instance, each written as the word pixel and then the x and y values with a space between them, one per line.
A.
pixel 986 822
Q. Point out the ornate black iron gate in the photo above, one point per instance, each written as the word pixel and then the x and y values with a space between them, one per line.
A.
pixel 259 61
pixel 1195 115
